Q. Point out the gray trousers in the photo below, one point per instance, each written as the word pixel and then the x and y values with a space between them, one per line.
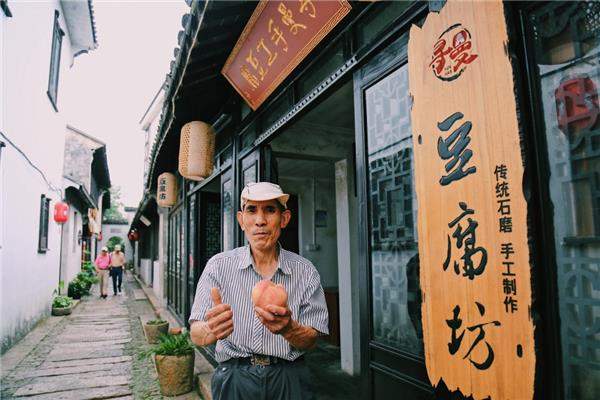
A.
pixel 238 381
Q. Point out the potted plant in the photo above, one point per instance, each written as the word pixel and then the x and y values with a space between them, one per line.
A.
pixel 174 360
pixel 62 305
pixel 155 328
pixel 75 290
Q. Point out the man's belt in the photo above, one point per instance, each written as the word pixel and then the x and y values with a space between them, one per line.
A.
pixel 264 360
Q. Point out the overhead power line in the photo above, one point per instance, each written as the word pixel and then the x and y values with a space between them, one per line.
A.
pixel 50 185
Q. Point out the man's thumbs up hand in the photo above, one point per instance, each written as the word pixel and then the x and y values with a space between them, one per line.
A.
pixel 219 318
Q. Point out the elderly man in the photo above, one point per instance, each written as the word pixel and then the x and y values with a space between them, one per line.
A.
pixel 259 349
pixel 102 263
pixel 117 266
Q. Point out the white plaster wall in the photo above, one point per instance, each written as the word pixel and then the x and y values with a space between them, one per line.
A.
pixel 27 278
pixel 324 259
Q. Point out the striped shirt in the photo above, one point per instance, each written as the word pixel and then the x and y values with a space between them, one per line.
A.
pixel 234 274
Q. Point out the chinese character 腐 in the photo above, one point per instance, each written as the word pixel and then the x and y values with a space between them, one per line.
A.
pixel 467 238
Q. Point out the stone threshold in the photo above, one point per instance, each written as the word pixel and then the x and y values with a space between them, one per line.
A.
pixel 203 369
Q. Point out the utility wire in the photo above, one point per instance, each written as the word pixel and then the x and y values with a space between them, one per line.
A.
pixel 50 185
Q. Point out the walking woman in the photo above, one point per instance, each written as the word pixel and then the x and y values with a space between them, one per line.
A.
pixel 102 264
pixel 117 266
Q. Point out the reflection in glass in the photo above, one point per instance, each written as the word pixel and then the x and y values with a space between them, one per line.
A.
pixel 396 296
pixel 227 215
pixel 567 47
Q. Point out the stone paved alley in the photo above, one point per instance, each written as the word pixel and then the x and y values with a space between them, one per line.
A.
pixel 91 354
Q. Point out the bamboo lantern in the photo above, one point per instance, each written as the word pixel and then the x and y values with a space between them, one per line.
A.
pixel 166 191
pixel 196 150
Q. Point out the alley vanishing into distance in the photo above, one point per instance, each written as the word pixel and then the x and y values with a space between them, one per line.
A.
pixel 90 354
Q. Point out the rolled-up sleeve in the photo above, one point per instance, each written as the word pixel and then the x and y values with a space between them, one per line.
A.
pixel 202 299
pixel 313 310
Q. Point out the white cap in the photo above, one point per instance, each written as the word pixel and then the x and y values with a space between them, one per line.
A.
pixel 105 248
pixel 262 191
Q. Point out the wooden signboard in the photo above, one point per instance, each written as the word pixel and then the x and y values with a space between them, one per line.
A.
pixel 276 39
pixel 475 271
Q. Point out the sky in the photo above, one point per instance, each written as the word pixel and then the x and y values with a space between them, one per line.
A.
pixel 119 79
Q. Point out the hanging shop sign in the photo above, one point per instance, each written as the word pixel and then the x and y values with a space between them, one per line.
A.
pixel 474 256
pixel 166 189
pixel 279 35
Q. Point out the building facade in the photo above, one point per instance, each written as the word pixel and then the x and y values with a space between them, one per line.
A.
pixel 86 190
pixel 39 43
pixel 337 134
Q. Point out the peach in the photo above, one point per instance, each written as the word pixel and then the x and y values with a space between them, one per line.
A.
pixel 266 292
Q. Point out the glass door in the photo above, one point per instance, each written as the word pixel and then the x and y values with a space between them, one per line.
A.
pixel 391 307
pixel 563 51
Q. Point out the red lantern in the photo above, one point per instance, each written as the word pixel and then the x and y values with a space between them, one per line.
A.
pixel 133 236
pixel 100 236
pixel 61 212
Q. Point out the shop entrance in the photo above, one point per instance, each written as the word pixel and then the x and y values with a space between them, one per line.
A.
pixel 313 161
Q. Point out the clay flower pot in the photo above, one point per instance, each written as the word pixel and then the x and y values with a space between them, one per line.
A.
pixel 58 311
pixel 154 330
pixel 175 374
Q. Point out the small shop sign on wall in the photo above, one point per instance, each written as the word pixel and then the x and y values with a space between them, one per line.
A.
pixel 278 36
pixel 474 254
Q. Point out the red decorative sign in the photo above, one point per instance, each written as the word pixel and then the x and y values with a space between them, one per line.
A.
pixel 452 53
pixel 279 35
pixel 577 105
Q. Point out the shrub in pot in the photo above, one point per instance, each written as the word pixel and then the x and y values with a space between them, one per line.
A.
pixel 62 305
pixel 154 329
pixel 174 360
pixel 75 290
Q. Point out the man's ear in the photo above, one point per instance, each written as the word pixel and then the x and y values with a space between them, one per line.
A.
pixel 286 217
pixel 240 219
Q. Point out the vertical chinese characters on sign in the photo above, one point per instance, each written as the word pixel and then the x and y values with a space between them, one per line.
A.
pixel 472 223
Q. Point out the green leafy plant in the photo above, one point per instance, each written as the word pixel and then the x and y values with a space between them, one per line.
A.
pixel 62 302
pixel 88 268
pixel 171 345
pixel 75 289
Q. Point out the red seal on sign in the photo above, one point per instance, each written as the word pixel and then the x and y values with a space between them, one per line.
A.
pixel 452 53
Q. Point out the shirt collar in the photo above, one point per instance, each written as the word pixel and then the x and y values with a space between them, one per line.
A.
pixel 282 263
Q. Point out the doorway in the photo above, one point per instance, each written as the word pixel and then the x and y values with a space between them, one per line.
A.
pixel 313 161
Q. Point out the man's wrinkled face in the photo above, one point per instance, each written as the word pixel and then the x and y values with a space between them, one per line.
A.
pixel 262 222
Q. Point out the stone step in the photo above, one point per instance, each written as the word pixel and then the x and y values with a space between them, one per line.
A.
pixel 122 367
pixel 87 361
pixel 108 392
pixel 99 379
pixel 81 355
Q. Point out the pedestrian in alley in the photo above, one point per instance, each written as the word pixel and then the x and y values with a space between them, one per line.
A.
pixel 259 349
pixel 117 265
pixel 102 265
